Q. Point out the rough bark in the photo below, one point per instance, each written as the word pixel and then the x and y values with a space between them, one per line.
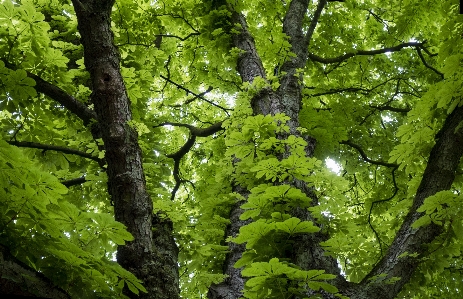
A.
pixel 233 285
pixel 17 279
pixel 438 176
pixel 307 253
pixel 152 256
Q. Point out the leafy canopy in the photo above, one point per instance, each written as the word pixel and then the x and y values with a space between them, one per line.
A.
pixel 375 116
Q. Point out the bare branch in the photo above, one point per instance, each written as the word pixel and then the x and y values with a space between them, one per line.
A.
pixel 74 182
pixel 62 149
pixel 365 157
pixel 418 49
pixel 346 56
pixel 177 156
pixel 197 95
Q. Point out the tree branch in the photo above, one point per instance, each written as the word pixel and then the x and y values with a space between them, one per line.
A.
pixel 59 95
pixel 438 176
pixel 74 182
pixel 195 131
pixel 202 94
pixel 62 149
pixel 390 108
pixel 365 157
pixel 177 156
pixel 418 49
pixel 314 22
pixel 196 95
pixel 346 56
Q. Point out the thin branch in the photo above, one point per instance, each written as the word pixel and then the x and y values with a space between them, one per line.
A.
pixel 418 49
pixel 352 89
pixel 62 149
pixel 202 94
pixel 363 53
pixel 390 108
pixel 177 156
pixel 365 157
pixel 196 95
pixel 74 182
pixel 59 95
pixel 178 37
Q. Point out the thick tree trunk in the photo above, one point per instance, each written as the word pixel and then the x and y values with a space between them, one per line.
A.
pixel 152 256
pixel 307 253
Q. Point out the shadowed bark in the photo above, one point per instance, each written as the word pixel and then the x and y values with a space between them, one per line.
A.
pixel 152 256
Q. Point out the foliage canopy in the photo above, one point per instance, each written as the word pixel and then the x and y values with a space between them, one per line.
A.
pixel 327 133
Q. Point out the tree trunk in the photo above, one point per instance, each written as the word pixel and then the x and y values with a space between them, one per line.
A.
pixel 307 252
pixel 152 256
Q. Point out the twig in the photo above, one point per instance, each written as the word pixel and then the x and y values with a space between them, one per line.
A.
pixel 196 95
pixel 364 156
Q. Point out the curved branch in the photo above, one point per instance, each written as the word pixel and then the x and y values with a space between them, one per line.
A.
pixel 177 156
pixel 346 56
pixel 62 149
pixel 364 156
pixel 418 49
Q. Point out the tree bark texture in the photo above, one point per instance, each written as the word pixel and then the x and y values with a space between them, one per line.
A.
pixel 307 253
pixel 152 256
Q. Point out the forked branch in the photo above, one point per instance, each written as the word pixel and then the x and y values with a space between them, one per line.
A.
pixel 178 155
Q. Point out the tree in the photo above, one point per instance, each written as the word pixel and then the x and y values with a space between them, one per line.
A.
pixel 194 138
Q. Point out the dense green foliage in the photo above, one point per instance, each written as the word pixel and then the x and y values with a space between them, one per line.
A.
pixel 375 115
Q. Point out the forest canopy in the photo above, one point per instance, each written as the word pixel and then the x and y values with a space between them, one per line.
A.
pixel 231 149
